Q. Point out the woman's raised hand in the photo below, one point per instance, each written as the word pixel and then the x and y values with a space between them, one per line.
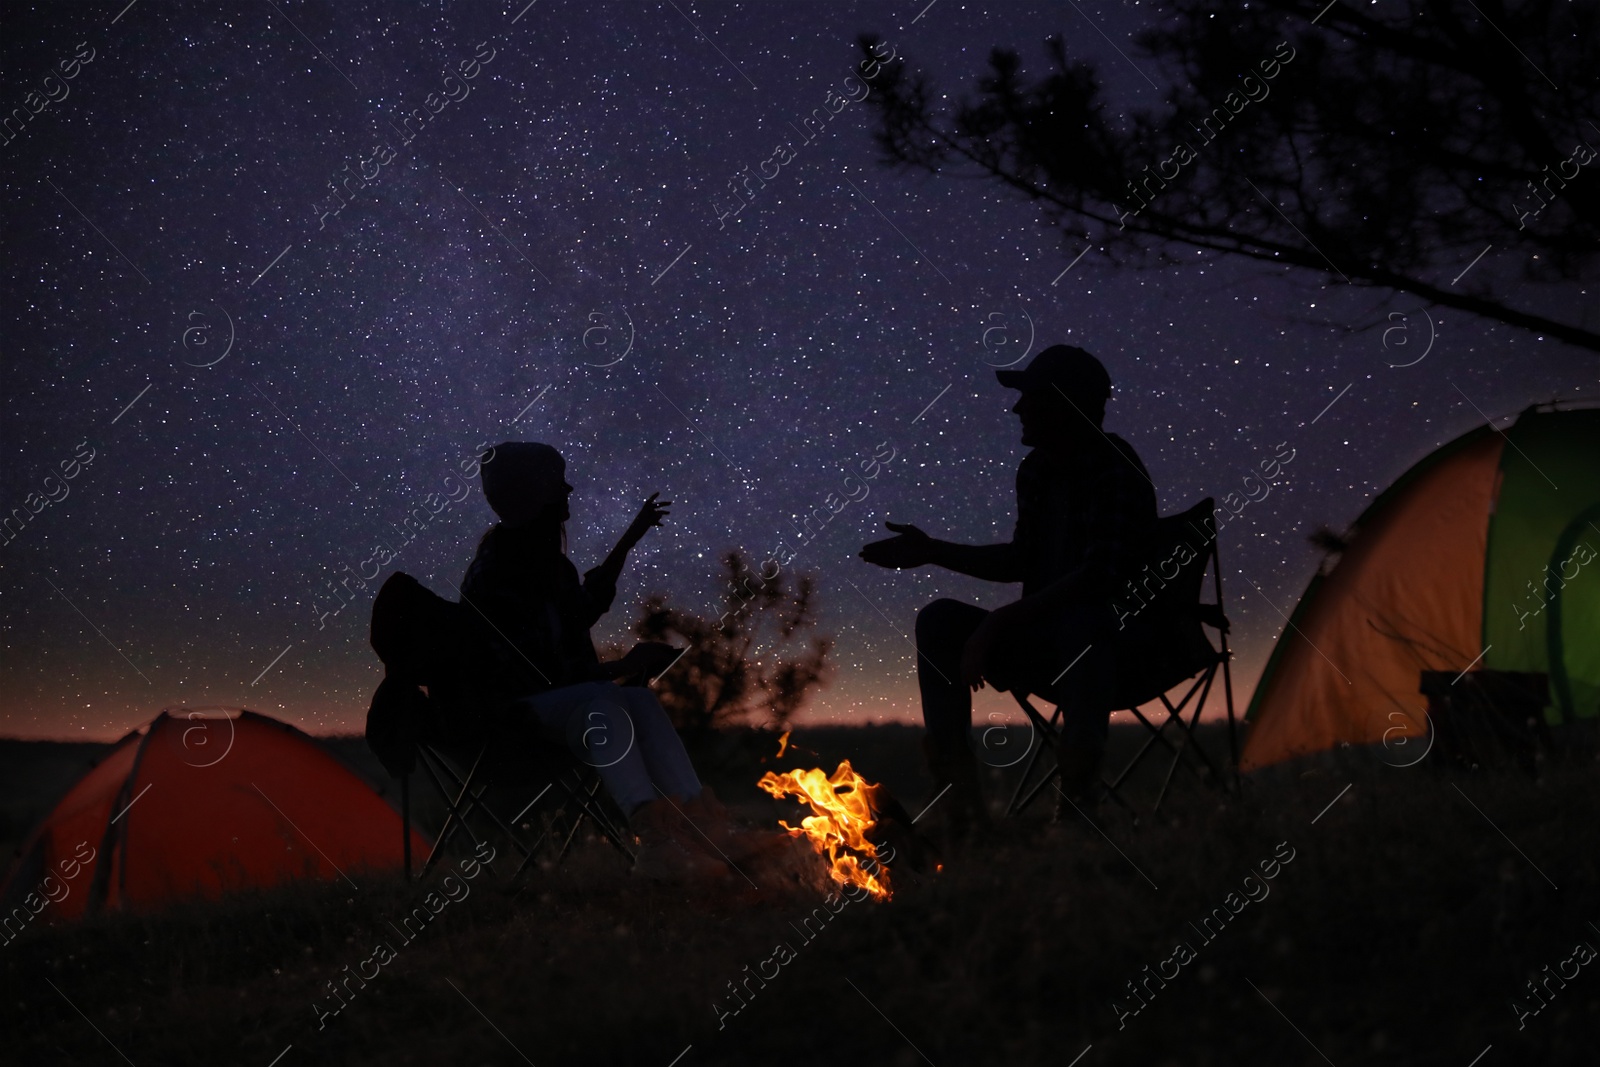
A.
pixel 650 514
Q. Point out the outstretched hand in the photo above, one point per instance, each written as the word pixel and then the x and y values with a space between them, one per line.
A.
pixel 909 548
pixel 650 514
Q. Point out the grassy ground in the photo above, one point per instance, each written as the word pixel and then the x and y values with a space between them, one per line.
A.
pixel 1399 933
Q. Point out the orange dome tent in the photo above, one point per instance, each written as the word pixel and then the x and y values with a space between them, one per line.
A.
pixel 1482 555
pixel 197 806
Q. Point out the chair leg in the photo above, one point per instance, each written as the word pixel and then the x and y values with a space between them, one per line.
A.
pixel 572 834
pixel 477 801
pixel 1233 735
pixel 1202 685
pixel 1149 742
pixel 1045 733
pixel 1014 805
pixel 1189 741
pixel 614 831
pixel 456 819
pixel 1158 734
pixel 1172 768
pixel 1227 670
pixel 463 795
pixel 533 850
pixel 1038 787
pixel 588 802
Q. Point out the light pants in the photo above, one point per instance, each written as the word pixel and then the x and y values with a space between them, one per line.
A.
pixel 621 731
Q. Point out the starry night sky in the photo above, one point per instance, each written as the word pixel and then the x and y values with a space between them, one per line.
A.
pixel 476 289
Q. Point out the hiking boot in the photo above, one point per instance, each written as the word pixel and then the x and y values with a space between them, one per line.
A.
pixel 665 853
pixel 954 768
pixel 711 822
pixel 717 831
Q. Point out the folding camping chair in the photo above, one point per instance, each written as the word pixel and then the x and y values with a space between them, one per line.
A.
pixel 1164 646
pixel 496 760
pixel 430 710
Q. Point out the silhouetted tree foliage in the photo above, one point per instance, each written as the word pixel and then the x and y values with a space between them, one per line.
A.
pixel 759 662
pixel 1397 142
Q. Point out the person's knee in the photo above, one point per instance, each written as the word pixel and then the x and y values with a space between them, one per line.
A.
pixel 644 708
pixel 587 691
pixel 636 698
pixel 935 621
pixel 604 733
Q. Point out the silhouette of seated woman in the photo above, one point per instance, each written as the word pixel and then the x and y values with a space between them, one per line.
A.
pixel 537 616
pixel 1085 508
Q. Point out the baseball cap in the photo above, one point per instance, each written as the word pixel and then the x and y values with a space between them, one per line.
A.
pixel 1076 372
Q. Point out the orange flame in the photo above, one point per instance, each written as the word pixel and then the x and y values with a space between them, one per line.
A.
pixel 842 813
pixel 783 743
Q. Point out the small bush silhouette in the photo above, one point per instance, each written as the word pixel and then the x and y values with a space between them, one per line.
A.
pixel 758 663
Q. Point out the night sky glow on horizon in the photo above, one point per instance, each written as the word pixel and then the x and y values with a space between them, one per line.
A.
pixel 253 380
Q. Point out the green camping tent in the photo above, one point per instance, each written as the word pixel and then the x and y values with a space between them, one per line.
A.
pixel 1486 554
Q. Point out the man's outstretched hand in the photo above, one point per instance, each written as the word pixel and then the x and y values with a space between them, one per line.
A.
pixel 909 548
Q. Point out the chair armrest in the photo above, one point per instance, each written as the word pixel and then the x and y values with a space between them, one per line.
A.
pixel 1212 616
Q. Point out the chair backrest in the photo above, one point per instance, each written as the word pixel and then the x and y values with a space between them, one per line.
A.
pixel 427 641
pixel 1161 609
pixel 1175 555
pixel 418 634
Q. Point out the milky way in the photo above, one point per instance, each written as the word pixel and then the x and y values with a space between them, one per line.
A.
pixel 275 271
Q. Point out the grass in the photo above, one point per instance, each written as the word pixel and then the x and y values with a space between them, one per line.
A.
pixel 1400 933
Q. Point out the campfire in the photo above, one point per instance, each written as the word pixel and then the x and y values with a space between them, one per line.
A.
pixel 843 810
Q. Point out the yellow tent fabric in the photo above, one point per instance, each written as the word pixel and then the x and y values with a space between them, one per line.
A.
pixel 1406 596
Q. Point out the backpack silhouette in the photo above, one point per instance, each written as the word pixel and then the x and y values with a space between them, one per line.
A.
pixel 438 668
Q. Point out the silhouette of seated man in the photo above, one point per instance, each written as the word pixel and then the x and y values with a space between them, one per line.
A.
pixel 1085 508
